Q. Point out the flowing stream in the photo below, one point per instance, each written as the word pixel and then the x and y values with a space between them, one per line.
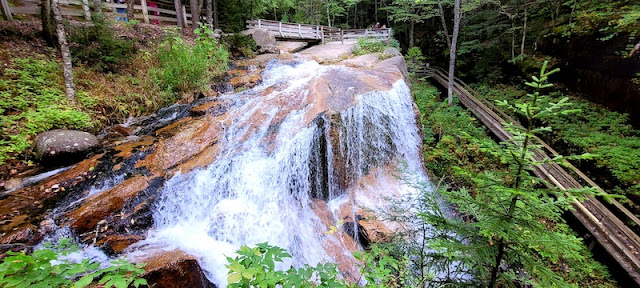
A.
pixel 277 155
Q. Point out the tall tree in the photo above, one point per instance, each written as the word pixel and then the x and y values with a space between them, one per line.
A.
pixel 195 14
pixel 411 12
pixel 445 30
pixel 70 88
pixel 179 14
pixel 130 9
pixel 452 53
pixel 209 12
pixel 48 24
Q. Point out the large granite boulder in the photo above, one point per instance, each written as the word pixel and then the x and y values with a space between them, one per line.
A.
pixel 262 36
pixel 61 147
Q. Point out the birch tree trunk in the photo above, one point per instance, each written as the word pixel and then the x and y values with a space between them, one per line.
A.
pixel 452 54
pixel 130 4
pixel 328 15
pixel 444 25
pixel 48 25
pixel 70 88
pixel 209 12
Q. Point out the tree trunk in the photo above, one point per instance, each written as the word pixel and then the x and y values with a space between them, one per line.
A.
pixel 179 14
pixel 452 54
pixel 328 15
pixel 209 12
pixel 444 25
pixel 215 13
pixel 48 25
pixel 411 39
pixel 524 29
pixel 195 14
pixel 130 11
pixel 70 88
pixel 97 11
pixel 513 38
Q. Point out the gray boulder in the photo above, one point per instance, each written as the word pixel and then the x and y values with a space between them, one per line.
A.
pixel 262 36
pixel 392 52
pixel 62 147
pixel 269 50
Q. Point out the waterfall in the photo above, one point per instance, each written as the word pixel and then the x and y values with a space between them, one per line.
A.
pixel 276 157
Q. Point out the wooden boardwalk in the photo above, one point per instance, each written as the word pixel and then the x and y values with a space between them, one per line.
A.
pixel 316 33
pixel 610 231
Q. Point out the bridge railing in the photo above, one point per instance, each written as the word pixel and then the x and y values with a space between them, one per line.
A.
pixel 288 30
pixel 317 32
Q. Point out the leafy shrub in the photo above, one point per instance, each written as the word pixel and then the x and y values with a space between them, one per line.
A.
pixel 32 100
pixel 241 45
pixel 98 46
pixel 183 67
pixel 368 45
pixel 45 268
pixel 255 267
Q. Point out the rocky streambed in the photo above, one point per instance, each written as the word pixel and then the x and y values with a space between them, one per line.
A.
pixel 304 147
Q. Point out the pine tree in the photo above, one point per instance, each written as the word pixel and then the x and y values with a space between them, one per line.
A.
pixel 513 230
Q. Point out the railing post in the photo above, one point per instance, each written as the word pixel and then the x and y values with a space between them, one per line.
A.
pixel 322 34
pixel 280 29
pixel 389 37
pixel 85 8
pixel 300 30
pixel 342 36
pixel 145 12
pixel 6 11
pixel 259 24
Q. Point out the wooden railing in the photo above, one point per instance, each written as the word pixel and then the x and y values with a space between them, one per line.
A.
pixel 81 8
pixel 297 31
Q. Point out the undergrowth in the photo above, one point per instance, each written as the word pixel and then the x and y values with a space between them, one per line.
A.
pixel 51 267
pixel 183 67
pixel 595 130
pixel 459 151
pixel 368 45
pixel 32 100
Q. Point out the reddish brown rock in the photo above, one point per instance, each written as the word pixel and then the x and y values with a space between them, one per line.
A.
pixel 117 243
pixel 101 205
pixel 174 269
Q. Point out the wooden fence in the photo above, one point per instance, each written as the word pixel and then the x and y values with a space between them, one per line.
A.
pixel 82 8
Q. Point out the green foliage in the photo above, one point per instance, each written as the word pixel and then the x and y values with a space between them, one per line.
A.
pixel 184 67
pixel 256 267
pixel 32 100
pixel 368 45
pixel 508 215
pixel 99 47
pixel 241 45
pixel 46 268
pixel 595 130
pixel 382 268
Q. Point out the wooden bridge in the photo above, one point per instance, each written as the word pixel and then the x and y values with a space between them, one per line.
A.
pixel 607 226
pixel 305 32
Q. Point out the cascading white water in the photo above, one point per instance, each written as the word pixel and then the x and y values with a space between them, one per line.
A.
pixel 273 163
